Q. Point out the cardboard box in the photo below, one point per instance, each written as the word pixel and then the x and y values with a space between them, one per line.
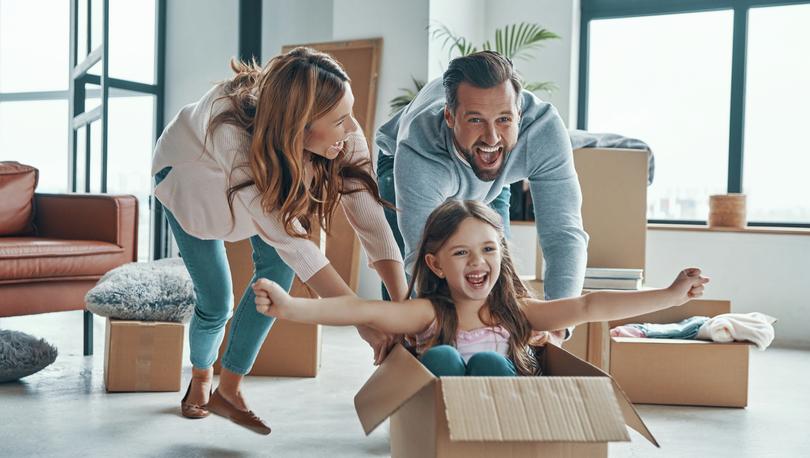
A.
pixel 143 355
pixel 681 372
pixel 290 349
pixel 590 341
pixel 574 410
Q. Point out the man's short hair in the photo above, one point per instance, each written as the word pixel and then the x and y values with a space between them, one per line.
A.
pixel 483 69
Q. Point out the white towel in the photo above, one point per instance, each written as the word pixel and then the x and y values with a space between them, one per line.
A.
pixel 752 327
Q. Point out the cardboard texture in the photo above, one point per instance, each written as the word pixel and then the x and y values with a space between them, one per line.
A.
pixel 614 207
pixel 590 341
pixel 681 372
pixel 574 410
pixel 290 349
pixel 143 355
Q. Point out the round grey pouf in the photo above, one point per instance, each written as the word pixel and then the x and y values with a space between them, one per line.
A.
pixel 144 291
pixel 22 354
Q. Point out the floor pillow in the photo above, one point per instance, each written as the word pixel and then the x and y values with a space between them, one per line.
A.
pixel 144 291
pixel 22 354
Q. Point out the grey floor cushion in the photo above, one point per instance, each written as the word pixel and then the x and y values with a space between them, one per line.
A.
pixel 22 354
pixel 144 291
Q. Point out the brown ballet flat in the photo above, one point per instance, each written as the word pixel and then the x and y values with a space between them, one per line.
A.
pixel 220 406
pixel 193 411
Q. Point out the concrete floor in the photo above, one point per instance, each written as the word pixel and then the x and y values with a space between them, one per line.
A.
pixel 64 410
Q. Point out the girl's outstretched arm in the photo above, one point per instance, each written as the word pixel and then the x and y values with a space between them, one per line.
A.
pixel 407 317
pixel 612 305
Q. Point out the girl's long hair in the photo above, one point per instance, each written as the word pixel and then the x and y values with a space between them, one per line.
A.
pixel 276 105
pixel 503 301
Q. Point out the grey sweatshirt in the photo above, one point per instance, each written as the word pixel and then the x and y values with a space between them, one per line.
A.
pixel 427 172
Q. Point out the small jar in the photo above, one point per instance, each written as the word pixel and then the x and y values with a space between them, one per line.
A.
pixel 727 210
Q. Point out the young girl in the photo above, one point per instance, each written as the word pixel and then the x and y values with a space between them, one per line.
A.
pixel 472 314
pixel 266 155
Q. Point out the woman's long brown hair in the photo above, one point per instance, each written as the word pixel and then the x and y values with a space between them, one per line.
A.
pixel 503 301
pixel 275 105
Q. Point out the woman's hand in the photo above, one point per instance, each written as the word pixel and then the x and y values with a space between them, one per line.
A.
pixel 688 285
pixel 272 300
pixel 380 342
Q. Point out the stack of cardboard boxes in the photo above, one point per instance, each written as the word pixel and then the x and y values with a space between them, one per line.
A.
pixel 652 371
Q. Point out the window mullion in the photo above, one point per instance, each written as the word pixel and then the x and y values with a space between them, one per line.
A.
pixel 737 111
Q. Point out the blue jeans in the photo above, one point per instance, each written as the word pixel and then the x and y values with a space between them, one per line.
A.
pixel 446 361
pixel 385 180
pixel 207 265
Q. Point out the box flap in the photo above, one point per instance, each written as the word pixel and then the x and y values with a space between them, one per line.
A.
pixel 558 362
pixel 397 379
pixel 549 409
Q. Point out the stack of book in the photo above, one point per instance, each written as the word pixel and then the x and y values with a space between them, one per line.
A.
pixel 608 278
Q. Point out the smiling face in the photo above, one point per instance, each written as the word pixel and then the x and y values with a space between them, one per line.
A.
pixel 326 135
pixel 470 261
pixel 485 126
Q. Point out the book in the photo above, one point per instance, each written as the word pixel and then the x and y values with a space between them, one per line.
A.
pixel 612 283
pixel 606 272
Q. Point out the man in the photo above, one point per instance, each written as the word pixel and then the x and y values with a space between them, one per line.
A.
pixel 470 135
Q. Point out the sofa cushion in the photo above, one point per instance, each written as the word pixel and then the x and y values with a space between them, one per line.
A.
pixel 144 291
pixel 22 355
pixel 17 185
pixel 24 259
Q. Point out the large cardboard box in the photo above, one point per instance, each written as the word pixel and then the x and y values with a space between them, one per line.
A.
pixel 589 341
pixel 290 349
pixel 143 355
pixel 681 372
pixel 574 410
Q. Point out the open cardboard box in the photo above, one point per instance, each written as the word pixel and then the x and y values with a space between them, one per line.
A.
pixel 573 410
pixel 681 372
pixel 290 349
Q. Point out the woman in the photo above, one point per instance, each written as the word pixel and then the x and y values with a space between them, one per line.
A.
pixel 266 155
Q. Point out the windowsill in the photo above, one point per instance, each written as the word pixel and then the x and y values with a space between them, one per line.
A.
pixel 745 230
pixel 703 228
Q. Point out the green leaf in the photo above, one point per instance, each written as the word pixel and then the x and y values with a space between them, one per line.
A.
pixel 401 101
pixel 520 41
pixel 539 88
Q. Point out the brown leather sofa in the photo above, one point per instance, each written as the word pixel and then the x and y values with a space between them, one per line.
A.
pixel 77 238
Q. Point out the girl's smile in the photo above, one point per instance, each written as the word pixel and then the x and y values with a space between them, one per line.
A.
pixel 470 261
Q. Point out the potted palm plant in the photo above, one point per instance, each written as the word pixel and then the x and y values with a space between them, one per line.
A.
pixel 516 41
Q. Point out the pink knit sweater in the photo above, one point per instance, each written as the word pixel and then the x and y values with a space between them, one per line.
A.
pixel 196 191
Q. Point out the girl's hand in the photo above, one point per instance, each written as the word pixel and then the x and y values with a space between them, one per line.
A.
pixel 271 299
pixel 688 285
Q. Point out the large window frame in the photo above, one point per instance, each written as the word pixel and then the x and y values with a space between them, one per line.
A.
pixel 612 9
pixel 79 117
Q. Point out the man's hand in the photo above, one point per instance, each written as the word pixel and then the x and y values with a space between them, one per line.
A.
pixel 380 342
pixel 557 337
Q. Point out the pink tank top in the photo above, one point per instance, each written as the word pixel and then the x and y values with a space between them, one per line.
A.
pixel 468 343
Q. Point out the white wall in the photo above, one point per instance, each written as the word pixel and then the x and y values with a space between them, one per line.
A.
pixel 464 18
pixel 195 60
pixel 553 62
pixel 294 22
pixel 403 27
pixel 757 272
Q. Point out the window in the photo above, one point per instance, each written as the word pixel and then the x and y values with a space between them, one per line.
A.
pixel 775 164
pixel 35 96
pixel 715 88
pixel 33 92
